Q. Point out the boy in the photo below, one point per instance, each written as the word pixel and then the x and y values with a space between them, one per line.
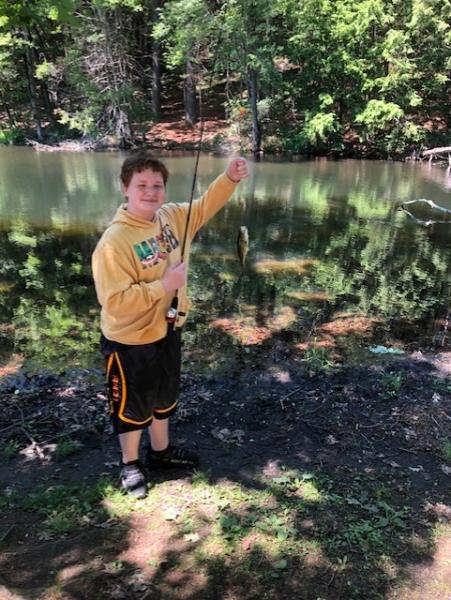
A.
pixel 138 269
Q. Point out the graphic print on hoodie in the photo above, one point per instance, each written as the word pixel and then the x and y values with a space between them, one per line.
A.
pixel 154 249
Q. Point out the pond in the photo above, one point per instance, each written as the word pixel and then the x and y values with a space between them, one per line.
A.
pixel 333 264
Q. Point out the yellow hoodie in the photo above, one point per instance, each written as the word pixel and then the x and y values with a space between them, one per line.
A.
pixel 131 258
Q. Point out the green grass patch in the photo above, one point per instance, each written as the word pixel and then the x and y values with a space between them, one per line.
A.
pixel 10 449
pixel 66 508
pixel 319 359
pixel 391 384
pixel 66 448
pixel 446 450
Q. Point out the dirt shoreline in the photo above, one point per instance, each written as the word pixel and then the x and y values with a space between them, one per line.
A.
pixel 217 137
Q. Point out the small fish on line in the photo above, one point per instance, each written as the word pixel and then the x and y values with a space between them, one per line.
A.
pixel 243 244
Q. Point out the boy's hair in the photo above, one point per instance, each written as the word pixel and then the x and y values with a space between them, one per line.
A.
pixel 140 161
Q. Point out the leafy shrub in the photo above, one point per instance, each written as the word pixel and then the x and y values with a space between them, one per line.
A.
pixel 13 136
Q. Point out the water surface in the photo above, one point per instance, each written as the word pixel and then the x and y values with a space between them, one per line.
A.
pixel 331 256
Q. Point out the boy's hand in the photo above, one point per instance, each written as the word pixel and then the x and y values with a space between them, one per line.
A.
pixel 238 169
pixel 174 278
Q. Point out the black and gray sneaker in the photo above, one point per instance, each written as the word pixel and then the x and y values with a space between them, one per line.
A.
pixel 171 457
pixel 133 480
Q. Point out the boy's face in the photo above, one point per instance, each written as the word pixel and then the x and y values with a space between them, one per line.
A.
pixel 145 194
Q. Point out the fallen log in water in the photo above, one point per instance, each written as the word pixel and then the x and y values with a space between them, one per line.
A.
pixel 438 153
pixel 432 204
pixel 64 146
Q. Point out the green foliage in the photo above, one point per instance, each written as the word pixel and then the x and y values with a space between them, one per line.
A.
pixel 10 449
pixel 53 334
pixel 30 272
pixel 326 72
pixel 45 70
pixel 446 448
pixel 82 120
pixel 48 307
pixel 66 448
pixel 184 26
pixel 391 384
pixel 318 358
pixel 321 130
pixel 20 234
pixel 66 508
pixel 383 124
pixel 13 136
pixel 378 115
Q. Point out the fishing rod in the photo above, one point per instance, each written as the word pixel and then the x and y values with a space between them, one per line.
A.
pixel 173 312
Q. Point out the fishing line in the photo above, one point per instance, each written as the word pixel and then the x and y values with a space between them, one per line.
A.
pixel 196 165
pixel 172 313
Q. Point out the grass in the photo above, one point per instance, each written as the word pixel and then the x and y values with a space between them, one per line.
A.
pixel 10 449
pixel 66 448
pixel 318 359
pixel 391 384
pixel 352 530
pixel 66 508
pixel 446 450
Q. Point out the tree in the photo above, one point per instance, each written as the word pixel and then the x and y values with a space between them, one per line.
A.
pixel 101 68
pixel 248 33
pixel 22 27
pixel 185 29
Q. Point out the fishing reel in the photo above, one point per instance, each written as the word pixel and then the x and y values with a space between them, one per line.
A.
pixel 171 315
pixel 172 312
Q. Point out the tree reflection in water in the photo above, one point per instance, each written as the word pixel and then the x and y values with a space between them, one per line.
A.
pixel 316 267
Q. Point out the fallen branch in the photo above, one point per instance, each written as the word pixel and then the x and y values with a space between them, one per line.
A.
pixel 7 532
pixel 407 450
pixel 430 203
pixel 282 400
pixel 437 153
pixel 34 445
pixel 12 426
pixel 433 151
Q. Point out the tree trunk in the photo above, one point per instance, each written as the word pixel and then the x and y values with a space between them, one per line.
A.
pixel 156 80
pixel 156 67
pixel 252 82
pixel 12 122
pixel 189 94
pixel 115 74
pixel 228 86
pixel 47 103
pixel 32 93
pixel 123 131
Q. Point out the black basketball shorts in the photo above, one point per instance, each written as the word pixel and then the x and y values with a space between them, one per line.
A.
pixel 143 381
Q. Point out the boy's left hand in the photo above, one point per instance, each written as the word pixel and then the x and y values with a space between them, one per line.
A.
pixel 238 169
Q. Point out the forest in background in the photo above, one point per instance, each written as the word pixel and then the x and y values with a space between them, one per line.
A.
pixel 338 77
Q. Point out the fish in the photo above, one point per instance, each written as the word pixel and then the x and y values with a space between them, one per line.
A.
pixel 242 244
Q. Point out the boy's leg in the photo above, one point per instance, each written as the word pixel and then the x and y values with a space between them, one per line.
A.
pixel 162 454
pixel 133 480
pixel 130 445
pixel 159 434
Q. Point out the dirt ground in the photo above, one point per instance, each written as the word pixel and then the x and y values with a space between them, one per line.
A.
pixel 369 433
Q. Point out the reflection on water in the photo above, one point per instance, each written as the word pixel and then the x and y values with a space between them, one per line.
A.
pixel 330 255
